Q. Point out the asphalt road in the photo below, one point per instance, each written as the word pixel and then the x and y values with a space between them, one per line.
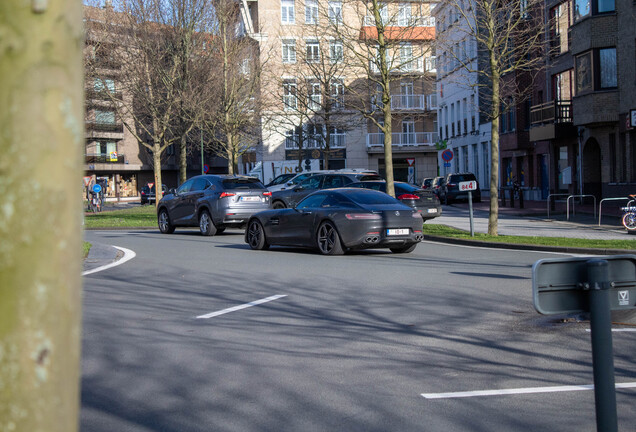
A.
pixel 352 346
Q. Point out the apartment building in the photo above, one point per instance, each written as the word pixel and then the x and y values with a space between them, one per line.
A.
pixel 584 111
pixel 316 87
pixel 112 154
pixel 462 127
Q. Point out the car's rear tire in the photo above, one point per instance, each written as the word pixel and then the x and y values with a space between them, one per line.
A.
pixel 328 240
pixel 404 249
pixel 165 226
pixel 206 226
pixel 279 205
pixel 256 235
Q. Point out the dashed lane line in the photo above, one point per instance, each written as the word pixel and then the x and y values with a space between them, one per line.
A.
pixel 243 306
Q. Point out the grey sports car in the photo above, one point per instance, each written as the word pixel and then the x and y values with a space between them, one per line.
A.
pixel 337 220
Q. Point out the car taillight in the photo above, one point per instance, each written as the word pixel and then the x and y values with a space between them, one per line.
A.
pixel 226 194
pixel 362 216
pixel 143 193
pixel 408 196
pixel 267 194
pixel 451 184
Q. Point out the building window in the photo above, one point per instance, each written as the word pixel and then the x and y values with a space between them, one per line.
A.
pixel 104 117
pixel 585 8
pixel 314 96
pixel 404 14
pixel 287 12
pixel 104 84
pixel 311 12
pixel 406 57
pixel 337 137
pixel 289 51
pixel 336 51
pixel 312 51
pixel 562 86
pixel 337 94
pixel 289 94
pixel 607 68
pixel 335 12
pixel 292 138
pixel 560 23
pixel 583 73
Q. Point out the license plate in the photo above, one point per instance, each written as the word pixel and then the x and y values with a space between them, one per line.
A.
pixel 397 231
pixel 250 199
pixel 431 210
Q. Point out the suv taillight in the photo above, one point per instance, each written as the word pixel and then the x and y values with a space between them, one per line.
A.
pixel 226 194
pixel 451 184
pixel 267 194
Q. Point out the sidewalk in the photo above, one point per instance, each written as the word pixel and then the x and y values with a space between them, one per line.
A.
pixel 533 220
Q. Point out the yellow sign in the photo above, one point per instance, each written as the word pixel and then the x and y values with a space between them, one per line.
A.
pixel 113 156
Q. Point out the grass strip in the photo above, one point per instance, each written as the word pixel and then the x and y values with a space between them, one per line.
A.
pixel 133 217
pixel 449 232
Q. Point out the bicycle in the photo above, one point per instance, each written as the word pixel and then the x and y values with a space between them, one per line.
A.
pixel 629 216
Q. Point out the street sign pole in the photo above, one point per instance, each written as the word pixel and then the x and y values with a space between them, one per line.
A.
pixel 470 211
pixel 602 349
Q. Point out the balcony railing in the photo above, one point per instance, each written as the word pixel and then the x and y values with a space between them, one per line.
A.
pixel 401 139
pixel 402 66
pixel 316 142
pixel 104 158
pixel 551 112
pixel 105 127
pixel 416 21
pixel 414 102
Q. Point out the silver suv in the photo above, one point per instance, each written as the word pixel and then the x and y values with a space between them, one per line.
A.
pixel 213 202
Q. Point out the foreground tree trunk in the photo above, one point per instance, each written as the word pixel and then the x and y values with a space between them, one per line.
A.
pixel 41 138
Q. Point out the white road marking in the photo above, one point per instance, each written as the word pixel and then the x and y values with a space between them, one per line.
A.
pixel 616 330
pixel 243 306
pixel 476 246
pixel 518 391
pixel 128 255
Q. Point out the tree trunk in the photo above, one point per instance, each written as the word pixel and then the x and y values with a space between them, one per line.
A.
pixel 493 216
pixel 183 160
pixel 156 158
pixel 42 139
pixel 388 143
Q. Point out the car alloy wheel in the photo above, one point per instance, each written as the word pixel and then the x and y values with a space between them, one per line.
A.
pixel 206 226
pixel 328 240
pixel 164 223
pixel 256 235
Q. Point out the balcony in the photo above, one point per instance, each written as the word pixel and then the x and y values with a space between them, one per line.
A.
pixel 421 28
pixel 413 21
pixel 105 127
pixel 551 120
pixel 414 102
pixel 315 142
pixel 101 158
pixel 402 141
pixel 402 66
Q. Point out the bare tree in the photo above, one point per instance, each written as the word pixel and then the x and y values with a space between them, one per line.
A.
pixel 141 41
pixel 510 40
pixel 385 44
pixel 42 115
pixel 232 119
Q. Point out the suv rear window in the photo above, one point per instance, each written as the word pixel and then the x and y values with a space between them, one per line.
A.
pixel 246 183
pixel 371 177
pixel 462 177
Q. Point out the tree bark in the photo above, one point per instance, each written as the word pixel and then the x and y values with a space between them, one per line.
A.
pixel 42 139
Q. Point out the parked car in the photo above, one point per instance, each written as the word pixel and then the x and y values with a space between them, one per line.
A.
pixel 280 179
pixel 294 180
pixel 213 202
pixel 427 183
pixel 148 194
pixel 337 220
pixel 450 192
pixel 323 180
pixel 423 201
pixel 437 184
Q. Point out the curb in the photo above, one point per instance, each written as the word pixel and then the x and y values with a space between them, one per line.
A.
pixel 539 248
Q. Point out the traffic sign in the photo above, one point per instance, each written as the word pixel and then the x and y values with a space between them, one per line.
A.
pixel 410 161
pixel 447 164
pixel 447 155
pixel 468 186
pixel 97 188
pixel 561 285
pixel 206 168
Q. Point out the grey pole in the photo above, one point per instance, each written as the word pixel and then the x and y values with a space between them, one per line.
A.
pixel 470 210
pixel 602 352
